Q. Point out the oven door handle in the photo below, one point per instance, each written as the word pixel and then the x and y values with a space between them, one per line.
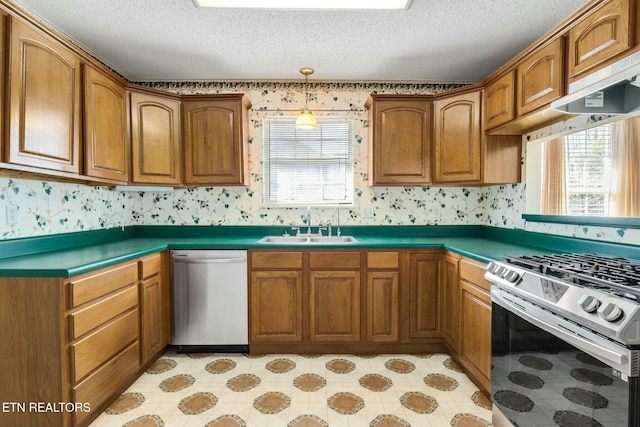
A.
pixel 621 361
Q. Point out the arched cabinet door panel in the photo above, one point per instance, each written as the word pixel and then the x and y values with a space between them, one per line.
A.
pixel 400 140
pixel 457 138
pixel 540 78
pixel 155 139
pixel 600 36
pixel 106 139
pixel 43 101
pixel 215 139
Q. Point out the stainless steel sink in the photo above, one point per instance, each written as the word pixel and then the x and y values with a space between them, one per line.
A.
pixel 308 240
pixel 283 239
pixel 332 239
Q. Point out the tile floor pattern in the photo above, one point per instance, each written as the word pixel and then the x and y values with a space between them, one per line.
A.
pixel 223 390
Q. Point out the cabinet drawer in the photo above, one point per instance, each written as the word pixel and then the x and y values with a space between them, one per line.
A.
pixel 150 265
pixel 334 260
pixel 96 314
pixel 273 260
pixel 101 345
pixel 100 386
pixel 88 287
pixel 382 260
pixel 473 272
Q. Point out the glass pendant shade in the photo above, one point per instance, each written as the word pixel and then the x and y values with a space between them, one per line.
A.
pixel 306 121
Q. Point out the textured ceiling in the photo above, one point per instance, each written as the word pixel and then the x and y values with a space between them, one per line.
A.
pixel 435 40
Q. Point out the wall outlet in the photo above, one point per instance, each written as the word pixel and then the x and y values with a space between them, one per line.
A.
pixel 367 212
pixel 12 214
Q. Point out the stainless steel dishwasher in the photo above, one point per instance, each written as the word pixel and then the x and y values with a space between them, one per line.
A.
pixel 210 301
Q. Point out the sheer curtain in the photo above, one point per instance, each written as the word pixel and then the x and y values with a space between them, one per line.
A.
pixel 554 194
pixel 624 195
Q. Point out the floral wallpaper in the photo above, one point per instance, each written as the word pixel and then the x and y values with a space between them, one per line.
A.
pixel 50 207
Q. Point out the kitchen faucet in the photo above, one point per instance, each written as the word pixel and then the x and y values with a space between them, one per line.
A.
pixel 309 220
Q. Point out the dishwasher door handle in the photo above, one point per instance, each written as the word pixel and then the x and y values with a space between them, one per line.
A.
pixel 184 260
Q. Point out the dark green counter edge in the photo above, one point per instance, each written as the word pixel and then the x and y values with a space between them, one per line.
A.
pixel 585 220
pixel 520 240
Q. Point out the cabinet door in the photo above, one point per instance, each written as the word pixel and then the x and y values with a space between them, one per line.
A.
pixel 382 306
pixel 450 302
pixel 499 101
pixel 215 139
pixel 540 78
pixel 334 306
pixel 153 333
pixel 424 294
pixel 401 140
pixel 457 138
pixel 106 140
pixel 43 102
pixel 599 36
pixel 475 327
pixel 276 306
pixel 155 139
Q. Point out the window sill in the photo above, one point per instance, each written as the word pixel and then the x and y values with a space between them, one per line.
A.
pixel 616 222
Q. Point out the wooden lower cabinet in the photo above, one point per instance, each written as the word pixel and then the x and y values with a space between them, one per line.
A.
pixel 475 323
pixel 155 310
pixel 155 306
pixel 78 340
pixel 362 301
pixel 424 295
pixel 334 306
pixel 450 302
pixel 383 298
pixel 276 306
pixel 320 300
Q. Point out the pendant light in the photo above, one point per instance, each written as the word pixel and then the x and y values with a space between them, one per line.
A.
pixel 306 120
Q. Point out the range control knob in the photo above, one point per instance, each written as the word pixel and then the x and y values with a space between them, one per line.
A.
pixel 588 303
pixel 512 276
pixel 610 312
pixel 492 267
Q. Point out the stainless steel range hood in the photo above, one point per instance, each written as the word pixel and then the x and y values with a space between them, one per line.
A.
pixel 614 89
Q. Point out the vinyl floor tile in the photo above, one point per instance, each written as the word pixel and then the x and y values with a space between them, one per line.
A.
pixel 234 390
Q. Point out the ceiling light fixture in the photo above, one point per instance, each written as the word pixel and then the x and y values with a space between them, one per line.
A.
pixel 308 4
pixel 306 120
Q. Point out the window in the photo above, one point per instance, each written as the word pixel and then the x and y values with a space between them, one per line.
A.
pixel 304 167
pixel 588 157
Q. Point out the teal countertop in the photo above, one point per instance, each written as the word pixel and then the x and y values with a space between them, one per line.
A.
pixel 71 254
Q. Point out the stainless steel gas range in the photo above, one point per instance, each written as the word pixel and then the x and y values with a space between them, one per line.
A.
pixel 565 340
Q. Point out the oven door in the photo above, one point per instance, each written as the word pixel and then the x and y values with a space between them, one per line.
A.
pixel 545 375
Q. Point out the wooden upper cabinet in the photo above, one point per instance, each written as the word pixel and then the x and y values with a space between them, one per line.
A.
pixel 600 35
pixel 106 135
pixel 499 102
pixel 540 77
pixel 43 101
pixel 400 140
pixel 155 139
pixel 3 54
pixel 457 138
pixel 215 139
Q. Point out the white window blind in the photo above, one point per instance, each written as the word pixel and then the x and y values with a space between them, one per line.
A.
pixel 308 166
pixel 588 156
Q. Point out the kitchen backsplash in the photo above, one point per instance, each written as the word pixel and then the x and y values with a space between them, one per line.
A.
pixel 50 207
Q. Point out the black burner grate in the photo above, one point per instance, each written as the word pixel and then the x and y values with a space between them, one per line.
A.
pixel 619 275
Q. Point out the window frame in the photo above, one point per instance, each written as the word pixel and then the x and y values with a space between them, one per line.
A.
pixel 348 162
